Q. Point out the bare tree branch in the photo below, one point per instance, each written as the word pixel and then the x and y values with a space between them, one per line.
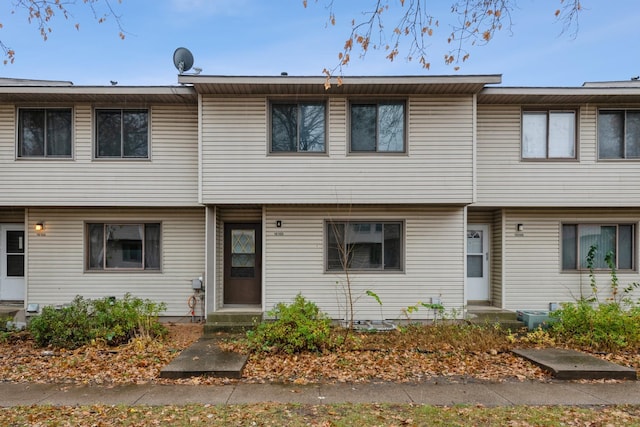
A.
pixel 42 13
pixel 476 22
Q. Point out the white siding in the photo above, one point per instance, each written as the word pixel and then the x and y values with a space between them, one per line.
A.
pixel 168 179
pixel 237 167
pixel 294 257
pixel 533 275
pixel 57 259
pixel 505 180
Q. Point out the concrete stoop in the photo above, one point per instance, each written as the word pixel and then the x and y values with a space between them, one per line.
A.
pixel 235 321
pixel 489 315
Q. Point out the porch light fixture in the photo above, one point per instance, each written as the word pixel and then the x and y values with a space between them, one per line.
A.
pixel 520 227
pixel 39 227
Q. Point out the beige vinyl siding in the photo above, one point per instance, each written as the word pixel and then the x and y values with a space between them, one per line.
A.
pixel 12 215
pixel 238 168
pixel 533 276
pixel 169 178
pixel 506 180
pixel 57 259
pixel 497 259
pixel 294 260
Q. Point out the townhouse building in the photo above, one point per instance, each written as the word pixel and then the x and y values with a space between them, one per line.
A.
pixel 447 189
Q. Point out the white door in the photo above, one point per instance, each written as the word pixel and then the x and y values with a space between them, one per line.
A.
pixel 478 263
pixel 12 251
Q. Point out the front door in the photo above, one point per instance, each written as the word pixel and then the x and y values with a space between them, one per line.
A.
pixel 12 251
pixel 478 263
pixel 242 263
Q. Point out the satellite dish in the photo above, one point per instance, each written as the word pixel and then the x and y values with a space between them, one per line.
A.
pixel 182 59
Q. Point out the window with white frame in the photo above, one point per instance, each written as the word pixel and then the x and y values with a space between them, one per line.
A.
pixel 377 127
pixel 619 134
pixel 364 246
pixel 297 127
pixel 549 134
pixel 44 132
pixel 122 133
pixel 115 246
pixel 617 239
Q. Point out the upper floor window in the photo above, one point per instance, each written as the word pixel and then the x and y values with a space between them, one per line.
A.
pixel 44 132
pixel 298 127
pixel 378 127
pixel 617 239
pixel 364 246
pixel 122 133
pixel 549 135
pixel 123 246
pixel 619 134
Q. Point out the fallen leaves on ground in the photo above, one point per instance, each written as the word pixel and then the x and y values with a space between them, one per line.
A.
pixel 397 356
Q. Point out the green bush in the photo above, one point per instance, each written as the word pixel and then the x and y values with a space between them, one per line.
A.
pixel 604 327
pixel 601 326
pixel 114 321
pixel 299 326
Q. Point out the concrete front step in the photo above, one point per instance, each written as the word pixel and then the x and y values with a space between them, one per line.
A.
pixel 231 321
pixel 491 316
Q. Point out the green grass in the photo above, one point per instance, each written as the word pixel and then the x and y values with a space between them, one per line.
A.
pixel 271 414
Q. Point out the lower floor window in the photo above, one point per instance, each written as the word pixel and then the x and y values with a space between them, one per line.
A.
pixel 367 246
pixel 123 246
pixel 578 239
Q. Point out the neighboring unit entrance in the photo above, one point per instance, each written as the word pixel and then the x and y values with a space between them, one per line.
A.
pixel 12 251
pixel 478 263
pixel 242 263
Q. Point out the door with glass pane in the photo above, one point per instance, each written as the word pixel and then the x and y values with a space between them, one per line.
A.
pixel 12 260
pixel 242 263
pixel 478 263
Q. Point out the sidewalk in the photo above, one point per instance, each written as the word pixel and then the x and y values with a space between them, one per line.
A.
pixel 487 394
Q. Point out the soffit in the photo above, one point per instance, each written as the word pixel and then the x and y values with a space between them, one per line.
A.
pixel 98 94
pixel 352 86
pixel 558 96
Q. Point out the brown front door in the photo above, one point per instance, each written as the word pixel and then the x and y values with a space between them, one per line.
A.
pixel 242 263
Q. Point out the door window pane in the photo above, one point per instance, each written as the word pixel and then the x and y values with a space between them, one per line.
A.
pixel 475 265
pixel 474 242
pixel 243 253
pixel 15 253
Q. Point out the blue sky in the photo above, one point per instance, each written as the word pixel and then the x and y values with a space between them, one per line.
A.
pixel 267 37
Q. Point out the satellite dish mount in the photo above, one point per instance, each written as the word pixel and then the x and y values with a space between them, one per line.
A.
pixel 182 59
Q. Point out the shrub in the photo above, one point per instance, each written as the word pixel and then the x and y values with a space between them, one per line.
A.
pixel 108 319
pixel 602 326
pixel 299 326
pixel 605 327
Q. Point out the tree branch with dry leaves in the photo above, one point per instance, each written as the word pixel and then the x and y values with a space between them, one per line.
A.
pixel 42 13
pixel 474 23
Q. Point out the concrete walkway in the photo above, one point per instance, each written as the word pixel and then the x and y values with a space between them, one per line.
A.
pixel 431 393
